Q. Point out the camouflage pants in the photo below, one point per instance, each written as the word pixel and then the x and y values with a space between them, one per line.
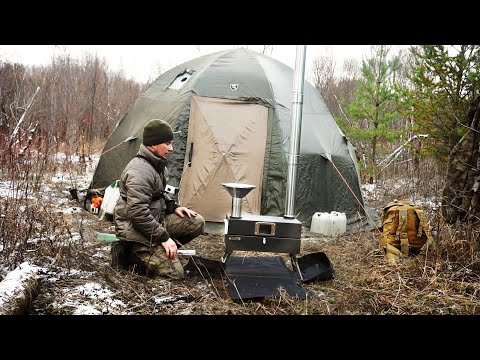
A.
pixel 155 259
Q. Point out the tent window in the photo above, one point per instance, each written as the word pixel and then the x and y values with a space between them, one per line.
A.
pixel 181 79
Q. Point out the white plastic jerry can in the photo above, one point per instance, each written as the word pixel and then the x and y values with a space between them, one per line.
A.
pixel 321 223
pixel 339 223
pixel 329 224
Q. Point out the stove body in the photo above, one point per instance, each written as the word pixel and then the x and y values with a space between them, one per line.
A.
pixel 263 234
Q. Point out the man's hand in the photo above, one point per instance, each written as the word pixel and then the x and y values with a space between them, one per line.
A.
pixel 170 248
pixel 181 210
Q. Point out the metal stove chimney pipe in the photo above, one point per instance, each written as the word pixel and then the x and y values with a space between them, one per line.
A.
pixel 295 130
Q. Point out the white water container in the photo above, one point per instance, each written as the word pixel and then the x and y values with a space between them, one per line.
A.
pixel 321 223
pixel 329 224
pixel 339 223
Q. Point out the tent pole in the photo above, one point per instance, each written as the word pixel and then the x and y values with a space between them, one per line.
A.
pixel 295 130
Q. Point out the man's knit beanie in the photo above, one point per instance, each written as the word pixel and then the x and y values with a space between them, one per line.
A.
pixel 156 132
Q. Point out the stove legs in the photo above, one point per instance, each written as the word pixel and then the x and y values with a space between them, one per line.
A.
pixel 225 256
pixel 295 265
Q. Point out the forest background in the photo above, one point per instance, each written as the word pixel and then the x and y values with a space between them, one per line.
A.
pixel 413 116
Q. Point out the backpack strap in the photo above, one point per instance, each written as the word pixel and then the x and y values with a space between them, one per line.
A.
pixel 402 230
pixel 386 210
pixel 423 227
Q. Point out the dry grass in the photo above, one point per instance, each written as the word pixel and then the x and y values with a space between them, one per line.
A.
pixel 364 283
pixel 442 280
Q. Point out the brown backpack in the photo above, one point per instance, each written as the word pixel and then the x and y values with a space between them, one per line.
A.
pixel 405 229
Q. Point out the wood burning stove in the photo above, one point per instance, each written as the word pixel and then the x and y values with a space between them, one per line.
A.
pixel 262 233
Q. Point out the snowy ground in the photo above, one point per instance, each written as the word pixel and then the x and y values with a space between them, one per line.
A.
pixel 87 298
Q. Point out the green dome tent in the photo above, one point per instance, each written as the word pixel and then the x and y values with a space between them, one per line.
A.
pixel 232 113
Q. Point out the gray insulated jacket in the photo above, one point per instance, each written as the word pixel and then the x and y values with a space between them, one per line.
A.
pixel 140 211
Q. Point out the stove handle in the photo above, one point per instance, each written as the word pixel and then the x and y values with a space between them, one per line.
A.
pixel 263 228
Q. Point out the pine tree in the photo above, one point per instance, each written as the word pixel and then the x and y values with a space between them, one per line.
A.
pixel 374 106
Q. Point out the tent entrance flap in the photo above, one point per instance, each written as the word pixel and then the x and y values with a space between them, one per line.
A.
pixel 226 144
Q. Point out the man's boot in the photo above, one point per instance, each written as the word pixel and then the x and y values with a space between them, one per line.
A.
pixel 119 256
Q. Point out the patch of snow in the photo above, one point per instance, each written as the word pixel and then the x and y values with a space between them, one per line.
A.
pixel 90 299
pixel 9 190
pixel 5 189
pixel 370 188
pixel 12 283
pixel 169 299
pixel 86 310
pixel 73 210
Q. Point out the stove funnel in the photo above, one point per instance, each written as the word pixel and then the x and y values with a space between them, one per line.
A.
pixel 238 192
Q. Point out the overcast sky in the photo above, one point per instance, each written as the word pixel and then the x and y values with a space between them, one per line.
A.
pixel 146 62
